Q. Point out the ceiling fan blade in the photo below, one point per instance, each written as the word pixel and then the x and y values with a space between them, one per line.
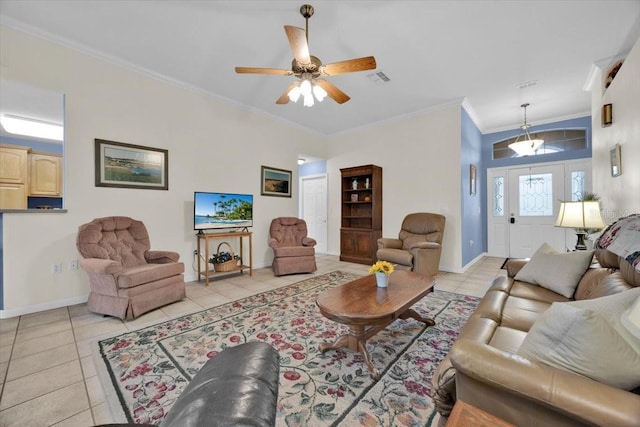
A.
pixel 349 66
pixel 284 98
pixel 254 70
pixel 336 94
pixel 298 42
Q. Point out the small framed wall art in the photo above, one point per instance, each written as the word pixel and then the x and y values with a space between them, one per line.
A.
pixel 616 160
pixel 472 179
pixel 275 182
pixel 131 166
pixel 607 115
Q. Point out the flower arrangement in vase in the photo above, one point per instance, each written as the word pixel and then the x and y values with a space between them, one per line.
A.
pixel 382 270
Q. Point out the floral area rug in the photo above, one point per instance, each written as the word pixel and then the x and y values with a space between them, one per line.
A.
pixel 149 368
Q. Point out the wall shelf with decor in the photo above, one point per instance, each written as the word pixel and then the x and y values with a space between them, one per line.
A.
pixel 361 214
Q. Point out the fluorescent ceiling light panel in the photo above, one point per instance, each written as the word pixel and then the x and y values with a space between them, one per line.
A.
pixel 30 127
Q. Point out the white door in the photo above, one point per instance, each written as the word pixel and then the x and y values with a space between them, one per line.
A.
pixel 527 233
pixel 313 207
pixel 535 194
pixel 497 215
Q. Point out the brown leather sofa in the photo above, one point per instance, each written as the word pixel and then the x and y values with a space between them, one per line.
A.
pixel 484 368
pixel 293 250
pixel 126 278
pixel 418 246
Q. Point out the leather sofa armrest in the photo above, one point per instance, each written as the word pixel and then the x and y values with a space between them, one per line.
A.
pixel 513 387
pixel 238 386
pixel 100 266
pixel 515 265
pixel 308 241
pixel 425 245
pixel 387 242
pixel 161 257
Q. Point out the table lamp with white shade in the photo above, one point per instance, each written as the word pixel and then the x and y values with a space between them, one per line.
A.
pixel 580 216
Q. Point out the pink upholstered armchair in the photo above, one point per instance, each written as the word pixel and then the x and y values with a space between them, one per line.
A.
pixel 293 251
pixel 126 278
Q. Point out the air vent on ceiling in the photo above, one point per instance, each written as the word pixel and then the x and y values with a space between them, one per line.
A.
pixel 379 78
pixel 527 84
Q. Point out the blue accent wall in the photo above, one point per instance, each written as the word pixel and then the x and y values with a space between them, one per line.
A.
pixel 312 168
pixel 473 205
pixel 489 139
pixel 47 147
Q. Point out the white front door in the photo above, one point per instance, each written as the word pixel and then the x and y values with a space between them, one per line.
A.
pixel 535 194
pixel 313 208
pixel 530 194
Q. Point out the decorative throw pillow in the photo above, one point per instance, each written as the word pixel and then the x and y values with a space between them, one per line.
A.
pixel 611 309
pixel 582 341
pixel 557 271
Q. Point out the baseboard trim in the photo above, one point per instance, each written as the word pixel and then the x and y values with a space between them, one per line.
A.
pixel 463 269
pixel 29 309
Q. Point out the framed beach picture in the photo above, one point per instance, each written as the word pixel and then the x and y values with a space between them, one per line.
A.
pixel 275 182
pixel 131 166
pixel 616 161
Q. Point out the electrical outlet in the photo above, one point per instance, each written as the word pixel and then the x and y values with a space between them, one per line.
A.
pixel 56 267
pixel 195 252
pixel 73 265
pixel 471 242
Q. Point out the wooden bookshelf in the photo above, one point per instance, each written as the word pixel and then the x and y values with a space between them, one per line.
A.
pixel 361 214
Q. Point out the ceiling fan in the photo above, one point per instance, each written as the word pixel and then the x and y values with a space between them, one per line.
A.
pixel 309 69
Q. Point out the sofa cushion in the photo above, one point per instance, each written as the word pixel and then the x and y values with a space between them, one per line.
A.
pixel 610 308
pixel 557 271
pixel 293 251
pixel 578 339
pixel 395 256
pixel 146 273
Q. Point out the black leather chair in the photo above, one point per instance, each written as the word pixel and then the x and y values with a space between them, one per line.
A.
pixel 238 387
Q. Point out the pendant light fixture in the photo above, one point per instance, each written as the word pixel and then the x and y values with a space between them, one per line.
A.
pixel 527 146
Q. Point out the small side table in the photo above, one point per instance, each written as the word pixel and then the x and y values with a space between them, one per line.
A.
pixel 466 415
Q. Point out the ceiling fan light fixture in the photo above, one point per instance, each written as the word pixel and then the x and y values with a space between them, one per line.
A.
pixel 308 100
pixel 528 146
pixel 305 87
pixel 294 94
pixel 308 68
pixel 319 93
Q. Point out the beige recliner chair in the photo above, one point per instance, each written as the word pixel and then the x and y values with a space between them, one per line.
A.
pixel 418 246
pixel 293 251
pixel 126 278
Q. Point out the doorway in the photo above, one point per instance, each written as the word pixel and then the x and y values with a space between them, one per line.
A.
pixel 523 204
pixel 313 208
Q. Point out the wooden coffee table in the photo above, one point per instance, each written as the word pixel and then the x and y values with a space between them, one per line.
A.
pixel 367 309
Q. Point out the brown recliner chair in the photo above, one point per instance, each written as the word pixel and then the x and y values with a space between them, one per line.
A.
pixel 293 251
pixel 126 278
pixel 418 246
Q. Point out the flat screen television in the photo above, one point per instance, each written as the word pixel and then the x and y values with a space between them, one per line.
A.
pixel 213 211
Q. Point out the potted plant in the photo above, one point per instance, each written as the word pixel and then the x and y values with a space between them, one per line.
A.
pixel 382 270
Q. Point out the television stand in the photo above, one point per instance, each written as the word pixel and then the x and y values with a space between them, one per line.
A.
pixel 205 271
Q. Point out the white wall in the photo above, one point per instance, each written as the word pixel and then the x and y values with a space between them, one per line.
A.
pixel 419 156
pixel 620 196
pixel 209 143
pixel 208 140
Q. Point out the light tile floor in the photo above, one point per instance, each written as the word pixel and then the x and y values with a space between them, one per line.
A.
pixel 47 370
